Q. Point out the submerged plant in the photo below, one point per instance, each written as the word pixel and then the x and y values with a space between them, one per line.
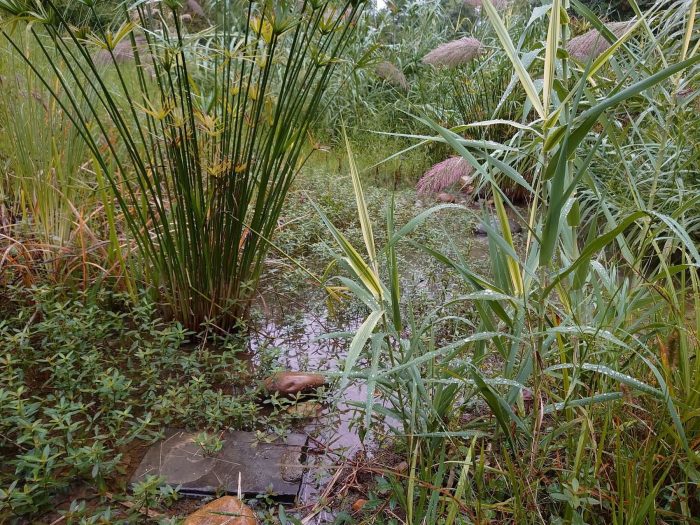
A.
pixel 200 143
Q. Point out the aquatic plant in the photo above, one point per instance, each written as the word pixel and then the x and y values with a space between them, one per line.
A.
pixel 200 144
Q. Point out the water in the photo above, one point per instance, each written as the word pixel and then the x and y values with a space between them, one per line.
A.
pixel 333 436
pixel 295 324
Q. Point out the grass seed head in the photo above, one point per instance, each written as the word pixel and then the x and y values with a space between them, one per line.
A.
pixel 193 8
pixel 455 53
pixel 592 44
pixel 444 174
pixel 392 74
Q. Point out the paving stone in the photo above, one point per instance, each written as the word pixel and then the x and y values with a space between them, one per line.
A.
pixel 263 467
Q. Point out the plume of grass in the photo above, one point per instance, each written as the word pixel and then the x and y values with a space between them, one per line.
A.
pixel 593 43
pixel 201 153
pixel 455 53
pixel 445 174
pixel 392 74
pixel 194 8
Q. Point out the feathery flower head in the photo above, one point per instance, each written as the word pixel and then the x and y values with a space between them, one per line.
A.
pixel 454 53
pixel 193 8
pixel 444 174
pixel 392 74
pixel 592 44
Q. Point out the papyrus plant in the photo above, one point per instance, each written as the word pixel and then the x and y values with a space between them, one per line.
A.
pixel 200 139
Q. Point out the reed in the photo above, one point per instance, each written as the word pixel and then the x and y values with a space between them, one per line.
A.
pixel 582 359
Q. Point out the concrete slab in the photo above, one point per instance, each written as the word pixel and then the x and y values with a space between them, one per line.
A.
pixel 263 467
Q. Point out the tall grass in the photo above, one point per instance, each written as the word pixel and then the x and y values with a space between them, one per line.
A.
pixel 200 143
pixel 570 395
pixel 47 192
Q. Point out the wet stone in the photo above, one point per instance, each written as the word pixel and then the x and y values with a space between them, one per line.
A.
pixel 291 383
pixel 446 197
pixel 263 467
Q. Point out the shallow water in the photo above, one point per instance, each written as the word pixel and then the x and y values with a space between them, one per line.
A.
pixel 294 325
pixel 333 438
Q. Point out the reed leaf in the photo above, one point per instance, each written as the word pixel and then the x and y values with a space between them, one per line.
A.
pixel 509 48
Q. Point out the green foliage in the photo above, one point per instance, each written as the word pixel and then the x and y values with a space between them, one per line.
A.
pixel 46 192
pixel 568 361
pixel 84 380
pixel 199 143
pixel 525 391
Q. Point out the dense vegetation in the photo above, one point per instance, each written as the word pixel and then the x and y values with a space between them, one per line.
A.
pixel 169 167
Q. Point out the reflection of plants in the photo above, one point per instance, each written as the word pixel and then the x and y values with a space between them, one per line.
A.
pixel 200 144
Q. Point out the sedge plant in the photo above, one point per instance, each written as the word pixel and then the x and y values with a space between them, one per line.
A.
pixel 200 136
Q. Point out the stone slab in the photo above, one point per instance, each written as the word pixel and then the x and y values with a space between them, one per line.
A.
pixel 275 467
